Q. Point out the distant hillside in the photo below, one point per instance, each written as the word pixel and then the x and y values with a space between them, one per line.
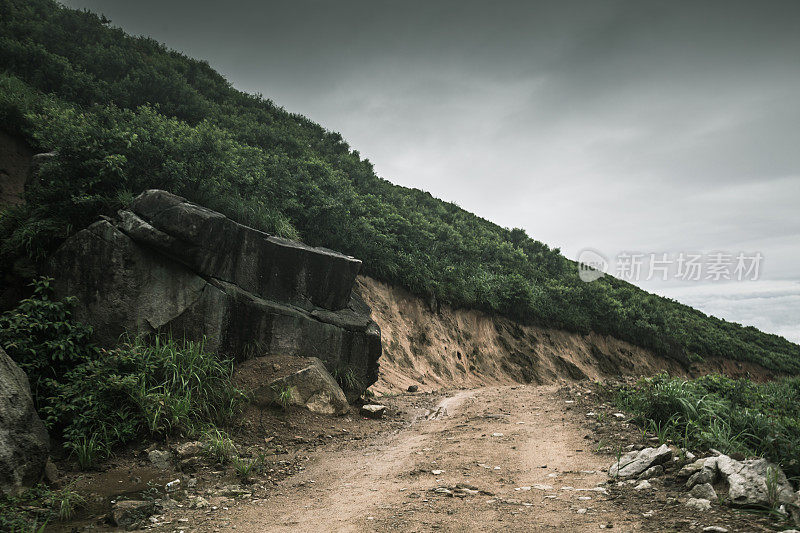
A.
pixel 125 114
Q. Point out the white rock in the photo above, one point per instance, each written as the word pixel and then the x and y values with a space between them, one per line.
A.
pixel 705 491
pixel 161 459
pixel 373 410
pixel 653 471
pixel 644 485
pixel 634 463
pixel 698 504
pixel 715 529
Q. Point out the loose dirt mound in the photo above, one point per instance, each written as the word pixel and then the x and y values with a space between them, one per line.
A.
pixel 465 348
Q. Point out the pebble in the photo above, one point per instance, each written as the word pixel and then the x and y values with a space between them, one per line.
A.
pixel 715 529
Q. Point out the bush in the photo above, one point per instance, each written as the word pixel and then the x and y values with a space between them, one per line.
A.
pixel 97 399
pixel 140 388
pixel 731 415
pixel 41 337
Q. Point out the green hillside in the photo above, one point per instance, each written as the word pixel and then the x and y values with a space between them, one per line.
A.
pixel 126 113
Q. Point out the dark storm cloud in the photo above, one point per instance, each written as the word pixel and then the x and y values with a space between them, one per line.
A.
pixel 620 125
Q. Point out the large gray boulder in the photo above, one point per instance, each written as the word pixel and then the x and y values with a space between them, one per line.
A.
pixel 24 444
pixel 167 265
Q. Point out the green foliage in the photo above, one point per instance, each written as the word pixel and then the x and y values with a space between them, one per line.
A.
pixel 245 468
pixel 34 509
pixel 125 114
pixel 731 415
pixel 86 449
pixel 219 446
pixel 68 502
pixel 40 336
pixel 283 395
pixel 152 388
pixel 347 378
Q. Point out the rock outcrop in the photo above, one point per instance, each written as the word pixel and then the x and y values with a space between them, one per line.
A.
pixel 24 444
pixel 167 265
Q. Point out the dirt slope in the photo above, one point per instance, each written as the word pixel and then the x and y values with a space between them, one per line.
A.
pixel 452 348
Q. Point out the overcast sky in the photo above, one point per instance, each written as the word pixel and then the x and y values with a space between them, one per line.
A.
pixel 657 127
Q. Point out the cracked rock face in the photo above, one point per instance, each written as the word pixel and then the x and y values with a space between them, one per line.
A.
pixel 169 265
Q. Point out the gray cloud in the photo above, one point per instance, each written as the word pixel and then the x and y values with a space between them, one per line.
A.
pixel 619 125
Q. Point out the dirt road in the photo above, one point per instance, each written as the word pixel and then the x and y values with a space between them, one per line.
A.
pixel 508 458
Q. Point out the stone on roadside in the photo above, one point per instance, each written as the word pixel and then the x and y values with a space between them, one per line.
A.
pixel 198 502
pixel 189 449
pixel 161 459
pixel 755 482
pixel 653 471
pixel 373 410
pixel 698 504
pixel 51 475
pixel 311 387
pixel 634 463
pixel 127 513
pixel 751 483
pixel 643 485
pixel 705 491
pixel 413 388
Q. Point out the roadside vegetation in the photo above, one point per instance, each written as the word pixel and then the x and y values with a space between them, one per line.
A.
pixel 33 510
pixel 734 416
pixel 125 114
pixel 93 400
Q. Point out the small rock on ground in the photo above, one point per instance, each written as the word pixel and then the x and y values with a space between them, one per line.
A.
pixel 698 504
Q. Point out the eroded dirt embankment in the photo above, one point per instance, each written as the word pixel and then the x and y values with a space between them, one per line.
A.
pixel 453 348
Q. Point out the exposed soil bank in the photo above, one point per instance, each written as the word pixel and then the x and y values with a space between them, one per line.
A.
pixel 451 348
